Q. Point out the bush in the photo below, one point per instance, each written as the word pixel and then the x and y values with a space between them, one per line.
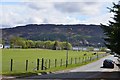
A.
pixel 90 48
pixel 102 49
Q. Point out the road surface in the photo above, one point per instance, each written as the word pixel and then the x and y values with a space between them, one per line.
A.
pixel 96 66
pixel 92 70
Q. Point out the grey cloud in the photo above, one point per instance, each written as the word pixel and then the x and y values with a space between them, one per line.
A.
pixel 76 7
pixel 91 3
pixel 34 6
pixel 67 7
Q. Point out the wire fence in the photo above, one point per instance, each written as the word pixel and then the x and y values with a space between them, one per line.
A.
pixel 44 64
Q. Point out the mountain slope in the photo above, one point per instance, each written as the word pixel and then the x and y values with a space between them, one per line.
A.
pixel 79 32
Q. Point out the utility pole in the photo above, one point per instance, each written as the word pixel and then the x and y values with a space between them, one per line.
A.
pixel 68 31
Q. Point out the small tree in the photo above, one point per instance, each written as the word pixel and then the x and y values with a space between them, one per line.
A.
pixel 102 49
pixel 66 45
pixel 112 30
pixel 56 45
pixel 90 48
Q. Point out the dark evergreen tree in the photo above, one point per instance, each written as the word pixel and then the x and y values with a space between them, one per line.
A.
pixel 112 30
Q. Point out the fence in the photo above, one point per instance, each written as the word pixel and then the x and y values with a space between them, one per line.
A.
pixel 44 64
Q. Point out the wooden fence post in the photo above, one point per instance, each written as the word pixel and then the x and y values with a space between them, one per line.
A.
pixel 79 59
pixel 71 61
pixel 97 56
pixel 11 65
pixel 86 59
pixel 46 63
pixel 75 60
pixel 55 62
pixel 49 64
pixel 61 62
pixel 90 58
pixel 83 60
pixel 26 65
pixel 38 64
pixel 42 64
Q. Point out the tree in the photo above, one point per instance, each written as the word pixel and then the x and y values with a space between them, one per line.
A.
pixel 30 44
pixel 65 45
pixel 112 30
pixel 56 45
pixel 17 41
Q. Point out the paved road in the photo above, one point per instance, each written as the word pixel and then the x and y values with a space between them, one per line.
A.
pixel 92 70
pixel 96 66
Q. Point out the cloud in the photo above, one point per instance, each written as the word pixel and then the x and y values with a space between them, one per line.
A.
pixel 67 7
pixel 104 19
pixel 53 12
pixel 79 7
pixel 58 0
pixel 39 5
pixel 11 15
pixel 34 6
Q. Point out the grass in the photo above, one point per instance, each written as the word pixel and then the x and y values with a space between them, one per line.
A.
pixel 20 55
pixel 24 74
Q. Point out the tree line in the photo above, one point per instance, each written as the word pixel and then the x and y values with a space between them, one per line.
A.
pixel 18 42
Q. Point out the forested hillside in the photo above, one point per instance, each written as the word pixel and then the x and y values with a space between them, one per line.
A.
pixel 79 33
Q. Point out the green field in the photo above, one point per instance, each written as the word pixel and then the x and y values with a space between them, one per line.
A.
pixel 19 57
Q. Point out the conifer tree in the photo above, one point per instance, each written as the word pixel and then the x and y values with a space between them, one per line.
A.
pixel 112 30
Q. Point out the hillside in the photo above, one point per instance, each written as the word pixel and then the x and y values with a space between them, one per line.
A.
pixel 84 33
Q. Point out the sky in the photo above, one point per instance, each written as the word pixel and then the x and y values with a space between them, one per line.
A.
pixel 21 12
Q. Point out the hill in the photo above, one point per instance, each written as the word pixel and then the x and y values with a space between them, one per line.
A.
pixel 80 33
